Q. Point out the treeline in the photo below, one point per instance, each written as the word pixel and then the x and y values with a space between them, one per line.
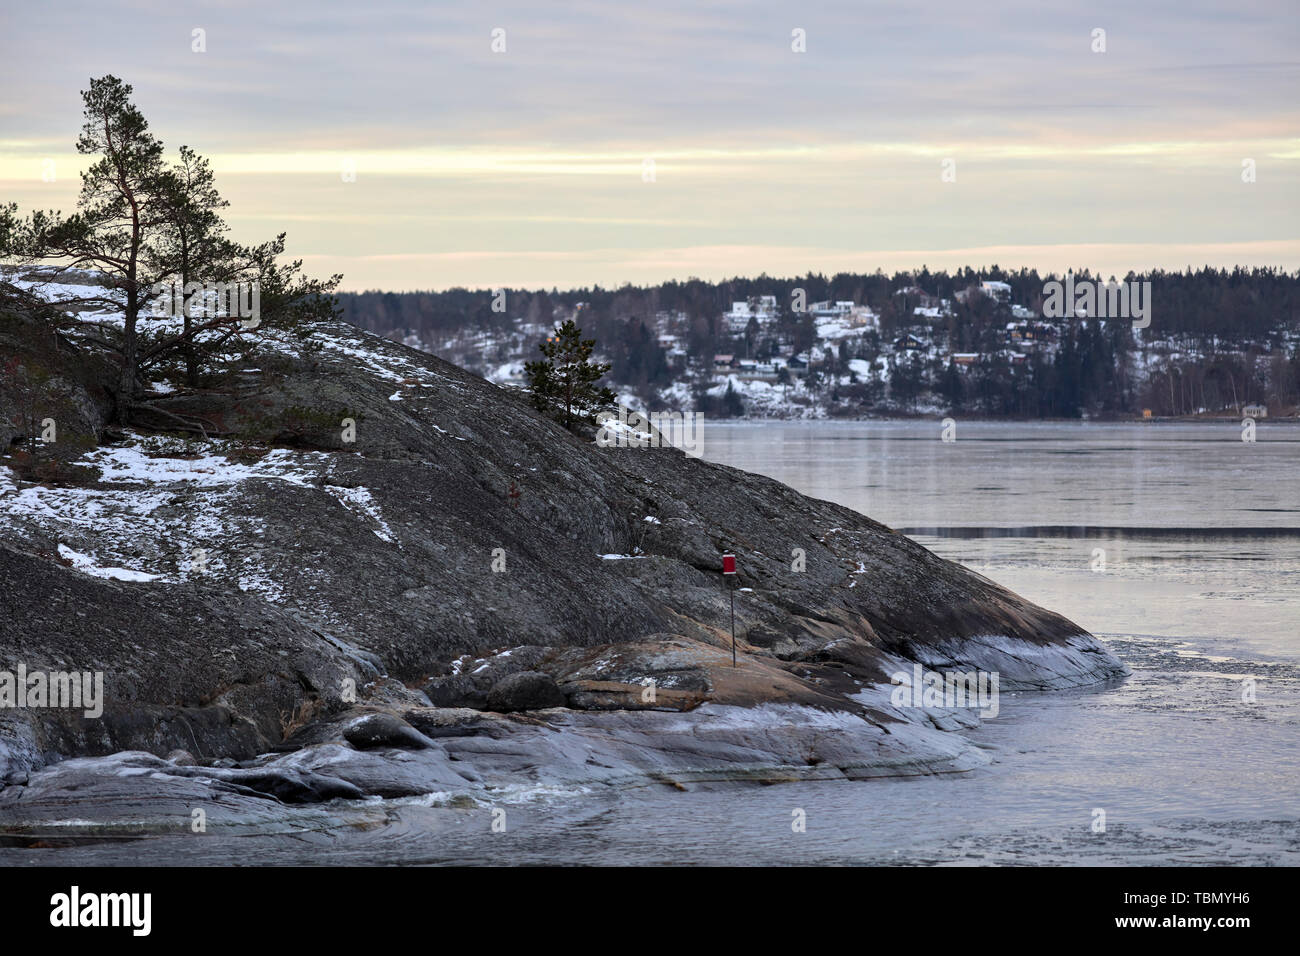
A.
pixel 1227 338
pixel 1092 370
pixel 1241 303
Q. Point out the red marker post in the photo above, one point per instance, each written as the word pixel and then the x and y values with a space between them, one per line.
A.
pixel 729 569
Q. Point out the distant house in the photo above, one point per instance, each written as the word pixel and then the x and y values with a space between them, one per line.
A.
pixel 996 290
pixel 922 298
pixel 863 316
pixel 724 361
pixel 1255 411
pixel 965 358
pixel 673 352
pixel 762 309
pixel 831 310
pixel 749 370
pixel 908 343
pixel 1025 334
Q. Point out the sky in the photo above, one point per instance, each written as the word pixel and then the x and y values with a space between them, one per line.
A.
pixel 602 143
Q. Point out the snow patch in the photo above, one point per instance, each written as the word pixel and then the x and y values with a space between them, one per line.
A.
pixel 88 565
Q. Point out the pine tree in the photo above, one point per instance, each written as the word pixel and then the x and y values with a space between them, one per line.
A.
pixel 141 225
pixel 117 211
pixel 564 382
pixel 193 241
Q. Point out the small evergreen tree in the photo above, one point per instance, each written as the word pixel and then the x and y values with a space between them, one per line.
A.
pixel 564 382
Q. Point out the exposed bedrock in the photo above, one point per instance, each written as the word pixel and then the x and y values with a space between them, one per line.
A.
pixel 464 556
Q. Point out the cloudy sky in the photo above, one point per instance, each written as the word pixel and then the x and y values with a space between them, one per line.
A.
pixel 648 141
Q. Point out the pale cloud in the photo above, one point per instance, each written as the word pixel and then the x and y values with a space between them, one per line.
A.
pixel 474 167
pixel 488 268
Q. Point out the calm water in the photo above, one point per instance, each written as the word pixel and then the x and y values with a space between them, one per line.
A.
pixel 1200 531
pixel 1199 591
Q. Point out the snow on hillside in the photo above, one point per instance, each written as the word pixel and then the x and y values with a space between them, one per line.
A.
pixel 164 509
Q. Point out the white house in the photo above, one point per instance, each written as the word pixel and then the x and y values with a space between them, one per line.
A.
pixel 996 290
pixel 830 310
pixel 764 310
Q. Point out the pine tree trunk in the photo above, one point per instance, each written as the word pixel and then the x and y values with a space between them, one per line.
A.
pixel 126 385
pixel 191 358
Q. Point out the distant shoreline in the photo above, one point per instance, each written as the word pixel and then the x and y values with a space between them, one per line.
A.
pixel 939 416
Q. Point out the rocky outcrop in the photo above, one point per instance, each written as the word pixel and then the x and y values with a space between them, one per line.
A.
pixel 383 730
pixel 44 375
pixel 462 555
pixel 527 690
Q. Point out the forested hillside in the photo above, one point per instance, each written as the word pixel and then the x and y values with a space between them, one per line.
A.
pixel 925 341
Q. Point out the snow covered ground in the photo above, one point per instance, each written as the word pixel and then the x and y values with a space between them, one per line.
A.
pixel 166 509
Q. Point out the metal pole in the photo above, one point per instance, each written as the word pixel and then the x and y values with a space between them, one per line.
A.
pixel 733 623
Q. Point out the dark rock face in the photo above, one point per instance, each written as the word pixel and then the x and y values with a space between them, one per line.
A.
pixel 43 375
pixel 458 690
pixel 207 669
pixel 470 688
pixel 398 571
pixel 527 690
